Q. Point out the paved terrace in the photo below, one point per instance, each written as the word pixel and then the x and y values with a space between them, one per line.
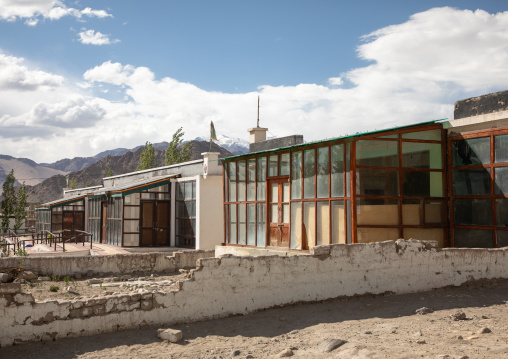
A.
pixel 98 249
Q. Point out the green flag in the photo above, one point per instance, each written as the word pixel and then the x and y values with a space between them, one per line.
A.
pixel 213 136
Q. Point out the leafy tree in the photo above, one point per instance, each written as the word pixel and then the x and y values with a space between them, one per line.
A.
pixel 109 173
pixel 20 210
pixel 173 155
pixel 147 158
pixel 74 183
pixel 9 202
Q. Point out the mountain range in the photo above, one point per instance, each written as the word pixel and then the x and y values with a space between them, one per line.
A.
pixel 47 181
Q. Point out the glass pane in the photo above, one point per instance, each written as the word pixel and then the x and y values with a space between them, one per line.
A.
pixel 188 190
pixel 471 182
pixel 348 175
pixel 411 212
pixel 261 191
pixel 131 226
pixel 323 170
pixel 296 225
pixel 274 213
pixel 473 151
pixel 377 153
pixel 226 229
pixel 338 227
pixel 473 238
pixel 296 175
pixel 502 239
pixel 241 181
pixel 422 155
pixel 251 224
pixel 377 182
pixel 337 171
pixel 424 184
pixel 501 147
pixel 434 212
pixel 272 167
pixel 501 180
pixel 148 195
pixel 308 174
pixel 472 211
pixel 377 211
pixel 232 223
pixel 285 192
pixel 323 223
pixel 261 224
pixel 274 192
pixel 251 187
pixel 261 178
pixel 309 224
pixel 369 235
pixel 284 164
pixel 502 212
pixel 285 213
pixel 431 135
pixel 232 181
pixel 131 212
pixel 242 224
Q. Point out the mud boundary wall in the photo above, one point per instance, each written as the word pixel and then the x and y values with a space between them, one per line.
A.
pixel 100 265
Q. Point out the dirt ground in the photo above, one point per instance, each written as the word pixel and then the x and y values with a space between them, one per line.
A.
pixel 374 327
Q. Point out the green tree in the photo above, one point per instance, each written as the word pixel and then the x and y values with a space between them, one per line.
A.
pixel 109 173
pixel 147 158
pixel 175 155
pixel 74 183
pixel 20 210
pixel 9 202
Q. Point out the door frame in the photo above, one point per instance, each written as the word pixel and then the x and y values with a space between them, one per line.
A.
pixel 287 226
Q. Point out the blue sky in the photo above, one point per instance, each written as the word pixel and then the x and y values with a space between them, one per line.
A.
pixel 80 77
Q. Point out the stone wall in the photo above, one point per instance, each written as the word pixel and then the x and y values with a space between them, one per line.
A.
pixel 229 285
pixel 100 265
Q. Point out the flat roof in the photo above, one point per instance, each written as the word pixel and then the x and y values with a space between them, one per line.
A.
pixel 334 139
pixel 61 202
pixel 133 187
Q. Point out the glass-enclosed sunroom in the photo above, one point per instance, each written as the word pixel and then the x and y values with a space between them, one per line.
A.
pixel 63 214
pixel 364 188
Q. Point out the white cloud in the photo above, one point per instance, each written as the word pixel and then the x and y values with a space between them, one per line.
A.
pixel 90 37
pixel 417 70
pixel 15 76
pixel 33 10
pixel 97 13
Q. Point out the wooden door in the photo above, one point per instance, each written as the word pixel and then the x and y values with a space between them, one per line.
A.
pixel 162 223
pixel 104 223
pixel 147 223
pixel 155 223
pixel 68 220
pixel 79 221
pixel 278 212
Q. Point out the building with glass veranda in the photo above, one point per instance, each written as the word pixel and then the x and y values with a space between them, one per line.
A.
pixel 441 181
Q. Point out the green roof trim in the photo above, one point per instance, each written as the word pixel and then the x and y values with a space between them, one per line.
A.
pixel 60 202
pixel 124 190
pixel 275 150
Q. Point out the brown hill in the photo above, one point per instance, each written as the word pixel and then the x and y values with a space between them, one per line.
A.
pixel 52 188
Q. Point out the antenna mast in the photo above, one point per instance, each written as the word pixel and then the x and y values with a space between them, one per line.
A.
pixel 258 110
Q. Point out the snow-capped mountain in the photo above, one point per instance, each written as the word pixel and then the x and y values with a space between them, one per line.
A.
pixel 237 146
